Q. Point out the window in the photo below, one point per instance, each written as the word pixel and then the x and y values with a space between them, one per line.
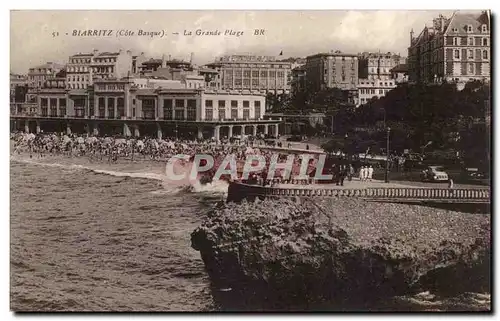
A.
pixel 222 104
pixel 263 73
pixel 485 41
pixel 272 74
pixel 457 54
pixel 257 109
pixel 222 113
pixel 133 101
pixel 209 114
pixel 179 114
pixel 179 103
pixel 191 109
pixel 209 104
pixel 471 54
pixel 484 28
pixel 471 41
pixel 234 113
pixel 380 91
pixel 246 104
pixel 234 104
pixel 281 74
pixel 246 73
pixel 471 68
pixel 469 28
pixel 246 82
pixel 246 113
pixel 485 54
pixel 167 108
pixel 456 41
pixel 255 74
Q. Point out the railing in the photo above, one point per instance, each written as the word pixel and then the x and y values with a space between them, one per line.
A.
pixel 390 193
pixel 386 193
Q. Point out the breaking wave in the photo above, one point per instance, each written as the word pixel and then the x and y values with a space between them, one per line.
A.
pixel 170 187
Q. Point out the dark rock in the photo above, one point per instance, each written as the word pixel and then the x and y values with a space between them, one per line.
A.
pixel 278 254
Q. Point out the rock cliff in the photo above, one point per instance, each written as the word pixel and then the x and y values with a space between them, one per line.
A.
pixel 285 254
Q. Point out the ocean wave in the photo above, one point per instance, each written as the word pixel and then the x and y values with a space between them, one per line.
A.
pixel 170 187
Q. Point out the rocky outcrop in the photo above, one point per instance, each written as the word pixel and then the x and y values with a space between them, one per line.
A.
pixel 278 254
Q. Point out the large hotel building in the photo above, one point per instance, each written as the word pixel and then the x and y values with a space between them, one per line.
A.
pixel 98 93
pixel 455 49
pixel 256 73
pixel 332 70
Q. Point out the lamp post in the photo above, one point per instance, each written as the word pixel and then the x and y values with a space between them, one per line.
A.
pixel 387 160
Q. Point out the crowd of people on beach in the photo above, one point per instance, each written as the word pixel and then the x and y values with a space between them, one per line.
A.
pixel 112 149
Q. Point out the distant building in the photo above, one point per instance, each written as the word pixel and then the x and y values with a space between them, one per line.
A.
pixel 18 83
pixel 115 65
pixel 457 50
pixel 256 73
pixel 378 65
pixel 400 73
pixel 370 88
pixel 332 70
pixel 298 79
pixel 39 74
pixel 78 71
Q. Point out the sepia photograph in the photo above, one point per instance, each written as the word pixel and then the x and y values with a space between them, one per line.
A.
pixel 250 161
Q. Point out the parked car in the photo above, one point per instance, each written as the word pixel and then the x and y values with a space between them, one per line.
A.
pixel 473 173
pixel 434 174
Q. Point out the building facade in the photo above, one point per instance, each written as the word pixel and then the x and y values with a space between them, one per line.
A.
pixel 332 70
pixel 107 65
pixel 400 74
pixel 371 88
pixel 298 79
pixel 456 49
pixel 39 74
pixel 78 71
pixel 378 65
pixel 249 72
pixel 122 106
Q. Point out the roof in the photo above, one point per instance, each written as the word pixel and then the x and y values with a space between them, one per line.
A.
pixel 400 68
pixel 332 54
pixel 153 61
pixel 460 20
pixel 83 55
pixel 109 54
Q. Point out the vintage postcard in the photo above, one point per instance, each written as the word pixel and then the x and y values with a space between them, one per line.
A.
pixel 250 161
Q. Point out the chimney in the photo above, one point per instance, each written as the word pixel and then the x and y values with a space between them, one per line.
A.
pixel 129 52
pixel 95 51
pixel 411 35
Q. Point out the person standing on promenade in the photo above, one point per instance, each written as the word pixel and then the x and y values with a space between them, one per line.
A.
pixel 351 172
pixel 362 173
pixel 370 173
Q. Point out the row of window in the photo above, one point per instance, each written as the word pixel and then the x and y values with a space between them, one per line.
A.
pixel 99 60
pixel 390 83
pixel 373 91
pixel 80 60
pixel 77 86
pixel 470 55
pixel 277 66
pixel 254 73
pixel 111 87
pixel 78 78
pixel 470 42
pixel 234 103
pixel 209 114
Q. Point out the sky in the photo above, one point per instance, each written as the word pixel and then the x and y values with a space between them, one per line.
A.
pixel 296 33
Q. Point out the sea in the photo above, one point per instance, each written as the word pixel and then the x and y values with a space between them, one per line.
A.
pixel 93 236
